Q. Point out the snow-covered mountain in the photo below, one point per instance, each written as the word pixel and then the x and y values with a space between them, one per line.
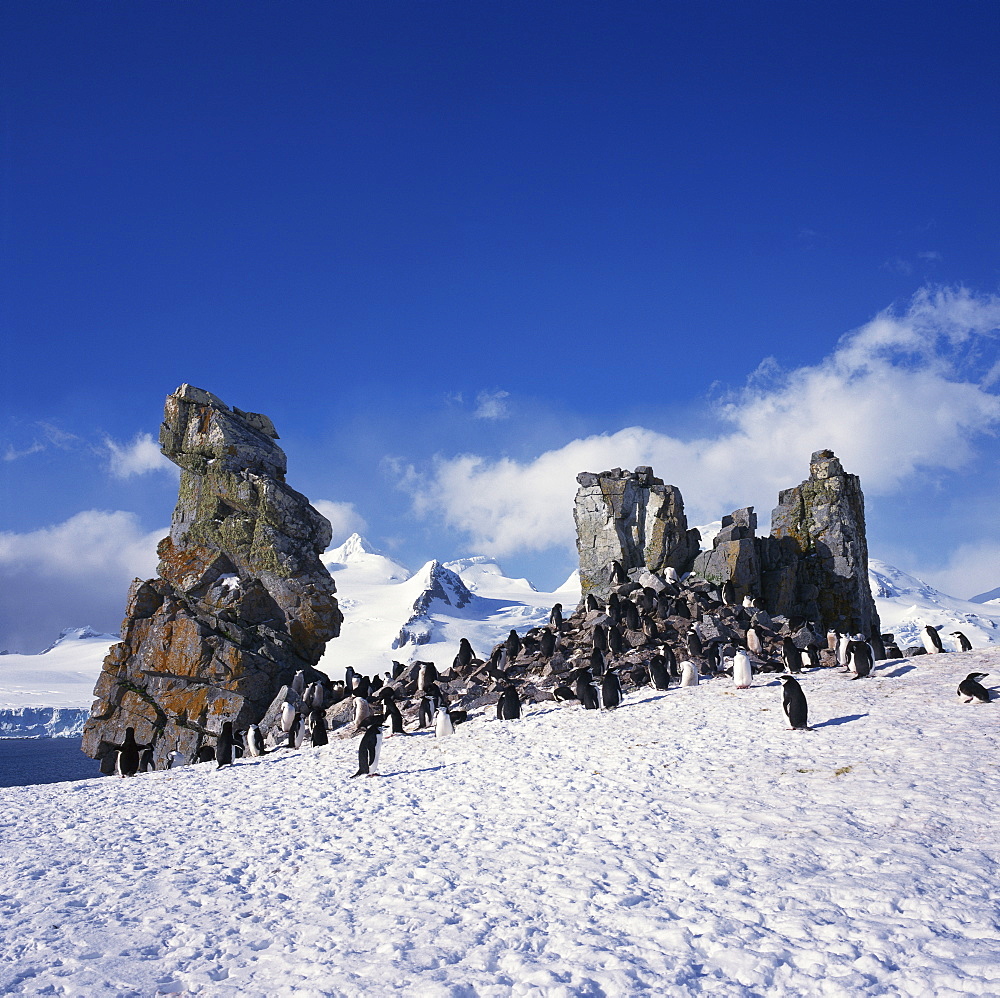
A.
pixel 906 604
pixel 993 596
pixel 390 614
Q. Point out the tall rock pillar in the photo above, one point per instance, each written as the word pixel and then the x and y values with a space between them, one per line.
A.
pixel 815 563
pixel 241 602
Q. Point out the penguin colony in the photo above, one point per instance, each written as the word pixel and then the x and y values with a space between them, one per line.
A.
pixel 668 632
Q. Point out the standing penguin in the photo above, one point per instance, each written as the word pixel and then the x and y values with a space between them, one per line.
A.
pixel 728 593
pixel 465 654
pixel 970 687
pixel 614 608
pixel 317 729
pixel 224 746
pixel 600 637
pixel 877 646
pixel 254 741
pixel 513 644
pixel 586 691
pixel 964 644
pixel 362 711
pixel 428 674
pixel 555 616
pixel 287 717
pixel 659 673
pixel 754 642
pixel 297 733
pixel 394 716
pixel 429 703
pixel 128 755
pixel 689 674
pixel 597 662
pixel 350 679
pixel 694 644
pixel 618 575
pixel 509 705
pixel 370 748
pixel 742 673
pixel 299 684
pixel 793 703
pixel 547 643
pixel 859 655
pixel 611 689
pixel 146 761
pixel 932 640
pixel 443 726
pixel 616 643
pixel 591 603
pixel 632 621
pixel 791 657
pixel 713 656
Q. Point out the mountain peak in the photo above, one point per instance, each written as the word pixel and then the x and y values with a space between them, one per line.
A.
pixel 353 548
pixel 79 634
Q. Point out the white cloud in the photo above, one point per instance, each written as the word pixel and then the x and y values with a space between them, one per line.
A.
pixel 71 574
pixel 12 453
pixel 344 519
pixel 139 457
pixel 492 405
pixel 896 396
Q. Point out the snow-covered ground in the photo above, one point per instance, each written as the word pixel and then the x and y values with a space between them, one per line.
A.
pixel 685 844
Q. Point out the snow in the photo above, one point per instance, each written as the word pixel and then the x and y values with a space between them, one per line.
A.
pixel 906 605
pixel 687 843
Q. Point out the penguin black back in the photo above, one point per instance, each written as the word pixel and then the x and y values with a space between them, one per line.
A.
pixel 224 746
pixel 793 702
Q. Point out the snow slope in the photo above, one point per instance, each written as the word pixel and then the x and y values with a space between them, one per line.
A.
pixel 906 604
pixel 390 614
pixel 685 844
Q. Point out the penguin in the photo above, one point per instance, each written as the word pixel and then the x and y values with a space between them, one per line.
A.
pixel 670 660
pixel 970 687
pixel 563 693
pixel 443 726
pixel 597 662
pixel 224 746
pixel 255 741
pixel 351 678
pixel 694 644
pixel 632 621
pixel 650 629
pixel 689 674
pixel 287 717
pixel 591 603
pixel 611 690
pixel 205 753
pixel 547 643
pixel 932 640
pixel 362 711
pixel 843 640
pixel 298 686
pixel 376 684
pixel 754 642
pixel 659 673
pixel 177 758
pixel 513 645
pixel 600 637
pixel 810 657
pixel 859 654
pixel 791 658
pixel 964 644
pixel 370 748
pixel 832 637
pixel 363 687
pixel 555 616
pixel 793 702
pixel 297 733
pixel 892 650
pixel 429 703
pixel 394 716
pixel 317 729
pixel 728 593
pixel 742 673
pixel 128 754
pixel 586 692
pixel 618 574
pixel 397 669
pixel 671 574
pixel 614 610
pixel 146 761
pixel 713 656
pixel 616 643
pixel 465 654
pixel 509 705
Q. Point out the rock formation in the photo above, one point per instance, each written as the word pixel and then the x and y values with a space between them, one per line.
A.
pixel 734 555
pixel 631 518
pixel 815 563
pixel 242 600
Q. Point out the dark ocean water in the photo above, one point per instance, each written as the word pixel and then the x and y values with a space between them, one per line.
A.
pixel 24 761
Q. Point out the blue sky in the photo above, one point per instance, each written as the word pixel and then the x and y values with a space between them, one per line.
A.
pixel 455 249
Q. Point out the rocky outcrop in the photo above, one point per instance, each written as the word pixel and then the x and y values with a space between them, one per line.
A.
pixel 631 518
pixel 242 600
pixel 734 555
pixel 815 563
